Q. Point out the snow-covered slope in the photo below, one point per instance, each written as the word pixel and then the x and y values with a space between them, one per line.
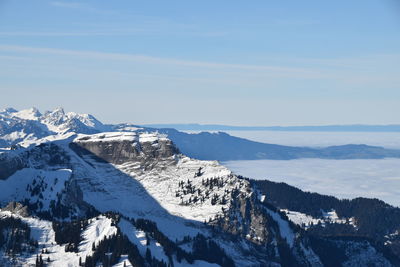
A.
pixel 35 186
pixel 138 175
pixel 55 254
pixel 149 180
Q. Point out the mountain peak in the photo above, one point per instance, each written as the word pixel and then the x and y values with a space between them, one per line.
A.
pixel 58 110
pixel 28 114
pixel 55 117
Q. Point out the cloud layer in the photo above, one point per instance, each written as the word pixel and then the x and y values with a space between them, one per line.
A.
pixel 341 178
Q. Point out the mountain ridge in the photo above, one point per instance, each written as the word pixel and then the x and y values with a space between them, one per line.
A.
pixel 132 197
pixel 28 126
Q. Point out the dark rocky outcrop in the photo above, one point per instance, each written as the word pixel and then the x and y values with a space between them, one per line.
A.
pixel 118 152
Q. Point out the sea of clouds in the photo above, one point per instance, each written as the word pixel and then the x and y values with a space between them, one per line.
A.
pixel 341 178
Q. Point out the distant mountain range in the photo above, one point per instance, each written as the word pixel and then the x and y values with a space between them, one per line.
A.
pixel 222 146
pixel 26 127
pixel 323 128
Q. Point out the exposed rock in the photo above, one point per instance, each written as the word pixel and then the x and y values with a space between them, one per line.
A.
pixel 135 149
pixel 17 208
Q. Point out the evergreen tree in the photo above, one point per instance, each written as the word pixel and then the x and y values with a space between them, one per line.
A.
pixel 148 255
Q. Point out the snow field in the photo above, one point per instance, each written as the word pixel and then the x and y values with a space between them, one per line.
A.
pixel 51 182
pixel 42 231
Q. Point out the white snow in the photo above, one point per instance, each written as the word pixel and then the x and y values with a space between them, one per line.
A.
pixel 99 228
pixel 42 231
pixel 332 216
pixel 107 137
pixel 108 189
pixel 122 260
pixel 284 227
pixel 128 129
pixel 15 187
pixel 301 218
pixel 14 136
pixel 33 141
pixel 162 184
pixel 151 137
pixel 121 136
pixel 138 238
pixel 86 119
pixel 305 220
pixel 28 114
pixel 50 125
pixel 151 193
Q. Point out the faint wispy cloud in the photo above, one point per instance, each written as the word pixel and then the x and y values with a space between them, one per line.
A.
pixel 68 4
pixel 364 72
pixel 74 33
pixel 109 32
pixel 81 6
pixel 294 22
pixel 266 69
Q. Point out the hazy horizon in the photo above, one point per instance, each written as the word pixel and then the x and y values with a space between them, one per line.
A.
pixel 168 124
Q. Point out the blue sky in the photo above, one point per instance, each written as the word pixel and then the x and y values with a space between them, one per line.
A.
pixel 227 62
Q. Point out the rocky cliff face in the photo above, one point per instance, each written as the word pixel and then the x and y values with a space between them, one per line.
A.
pixel 119 147
pixel 42 156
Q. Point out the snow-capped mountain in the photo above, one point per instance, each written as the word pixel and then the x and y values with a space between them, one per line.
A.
pixel 58 121
pixel 30 125
pixel 76 195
